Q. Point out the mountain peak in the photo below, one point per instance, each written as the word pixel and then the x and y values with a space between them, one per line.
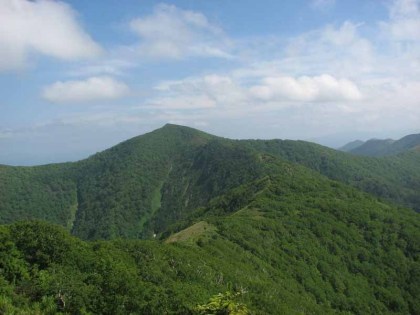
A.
pixel 175 127
pixel 182 133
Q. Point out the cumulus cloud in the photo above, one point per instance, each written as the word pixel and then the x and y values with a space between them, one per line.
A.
pixel 91 89
pixel 323 88
pixel 46 27
pixel 174 33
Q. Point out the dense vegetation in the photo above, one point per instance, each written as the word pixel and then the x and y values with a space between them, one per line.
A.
pixel 232 227
pixel 318 247
pixel 294 244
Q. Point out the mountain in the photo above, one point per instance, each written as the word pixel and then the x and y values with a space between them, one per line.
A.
pixel 351 145
pixel 286 241
pixel 129 190
pixel 376 147
pixel 142 186
pixel 178 221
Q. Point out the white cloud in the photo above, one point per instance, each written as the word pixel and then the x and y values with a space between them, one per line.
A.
pixel 323 88
pixel 209 91
pixel 174 33
pixel 404 23
pixel 41 26
pixel 91 89
pixel 230 96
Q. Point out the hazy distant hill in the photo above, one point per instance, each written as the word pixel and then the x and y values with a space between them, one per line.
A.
pixel 377 147
pixel 351 145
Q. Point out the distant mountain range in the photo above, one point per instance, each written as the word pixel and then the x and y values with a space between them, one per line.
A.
pixel 170 218
pixel 378 147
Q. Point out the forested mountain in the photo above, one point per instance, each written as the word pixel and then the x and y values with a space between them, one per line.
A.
pixel 140 186
pixel 262 226
pixel 130 189
pixel 377 147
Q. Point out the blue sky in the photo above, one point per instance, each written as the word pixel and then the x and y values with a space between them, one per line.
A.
pixel 79 76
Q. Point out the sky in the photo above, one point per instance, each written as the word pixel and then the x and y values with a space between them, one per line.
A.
pixel 77 76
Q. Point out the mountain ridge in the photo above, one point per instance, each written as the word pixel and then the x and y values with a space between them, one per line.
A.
pixel 383 147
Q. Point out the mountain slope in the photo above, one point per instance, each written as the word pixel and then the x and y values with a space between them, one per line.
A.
pixel 42 192
pixel 294 241
pixel 120 187
pixel 393 178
